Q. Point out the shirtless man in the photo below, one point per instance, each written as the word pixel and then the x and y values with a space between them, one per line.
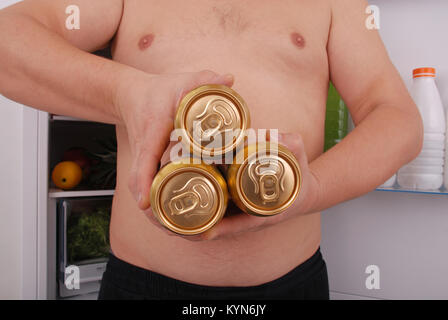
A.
pixel 280 56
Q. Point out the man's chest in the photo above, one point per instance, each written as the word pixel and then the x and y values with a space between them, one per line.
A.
pixel 167 30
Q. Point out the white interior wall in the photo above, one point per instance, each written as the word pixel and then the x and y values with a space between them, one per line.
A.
pixel 404 234
pixel 10 199
pixel 11 144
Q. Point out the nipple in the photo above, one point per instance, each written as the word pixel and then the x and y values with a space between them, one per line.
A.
pixel 298 40
pixel 145 41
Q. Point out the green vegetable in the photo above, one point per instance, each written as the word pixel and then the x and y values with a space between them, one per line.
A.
pixel 104 169
pixel 88 235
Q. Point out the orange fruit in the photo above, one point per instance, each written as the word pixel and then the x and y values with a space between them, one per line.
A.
pixel 66 175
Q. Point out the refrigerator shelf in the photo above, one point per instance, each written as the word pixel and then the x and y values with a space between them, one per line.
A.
pixel 55 117
pixel 58 193
pixel 439 192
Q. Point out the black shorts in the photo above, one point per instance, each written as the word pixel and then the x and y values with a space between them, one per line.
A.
pixel 121 280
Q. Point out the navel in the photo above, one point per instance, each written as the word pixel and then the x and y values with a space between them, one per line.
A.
pixel 145 41
pixel 298 40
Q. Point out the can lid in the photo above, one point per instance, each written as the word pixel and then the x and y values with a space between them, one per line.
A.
pixel 212 119
pixel 188 199
pixel 268 182
pixel 424 72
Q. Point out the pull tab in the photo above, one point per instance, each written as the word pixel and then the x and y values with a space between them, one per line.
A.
pixel 217 115
pixel 183 203
pixel 267 177
pixel 269 188
pixel 195 198
pixel 208 126
pixel 205 195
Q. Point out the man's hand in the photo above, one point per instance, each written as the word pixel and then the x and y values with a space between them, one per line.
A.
pixel 241 222
pixel 305 202
pixel 147 105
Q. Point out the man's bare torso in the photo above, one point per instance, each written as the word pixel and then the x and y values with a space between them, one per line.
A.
pixel 277 52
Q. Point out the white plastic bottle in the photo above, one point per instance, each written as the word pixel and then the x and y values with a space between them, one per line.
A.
pixel 426 171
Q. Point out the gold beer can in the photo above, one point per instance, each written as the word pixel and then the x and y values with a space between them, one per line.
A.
pixel 212 119
pixel 264 179
pixel 189 198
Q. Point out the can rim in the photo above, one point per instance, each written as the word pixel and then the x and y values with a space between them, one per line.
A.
pixel 173 169
pixel 283 153
pixel 187 102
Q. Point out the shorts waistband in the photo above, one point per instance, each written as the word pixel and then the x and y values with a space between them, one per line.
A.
pixel 146 282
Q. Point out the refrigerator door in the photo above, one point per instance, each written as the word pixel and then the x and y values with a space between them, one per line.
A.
pixel 83 244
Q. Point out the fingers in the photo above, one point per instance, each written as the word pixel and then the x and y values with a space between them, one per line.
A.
pixel 142 175
pixel 210 77
pixel 156 137
pixel 167 156
pixel 149 150
pixel 294 143
pixel 151 137
pixel 233 225
pixel 203 78
pixel 151 217
pixel 309 197
pixel 145 168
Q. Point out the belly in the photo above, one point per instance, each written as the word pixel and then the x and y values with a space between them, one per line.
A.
pixel 278 98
